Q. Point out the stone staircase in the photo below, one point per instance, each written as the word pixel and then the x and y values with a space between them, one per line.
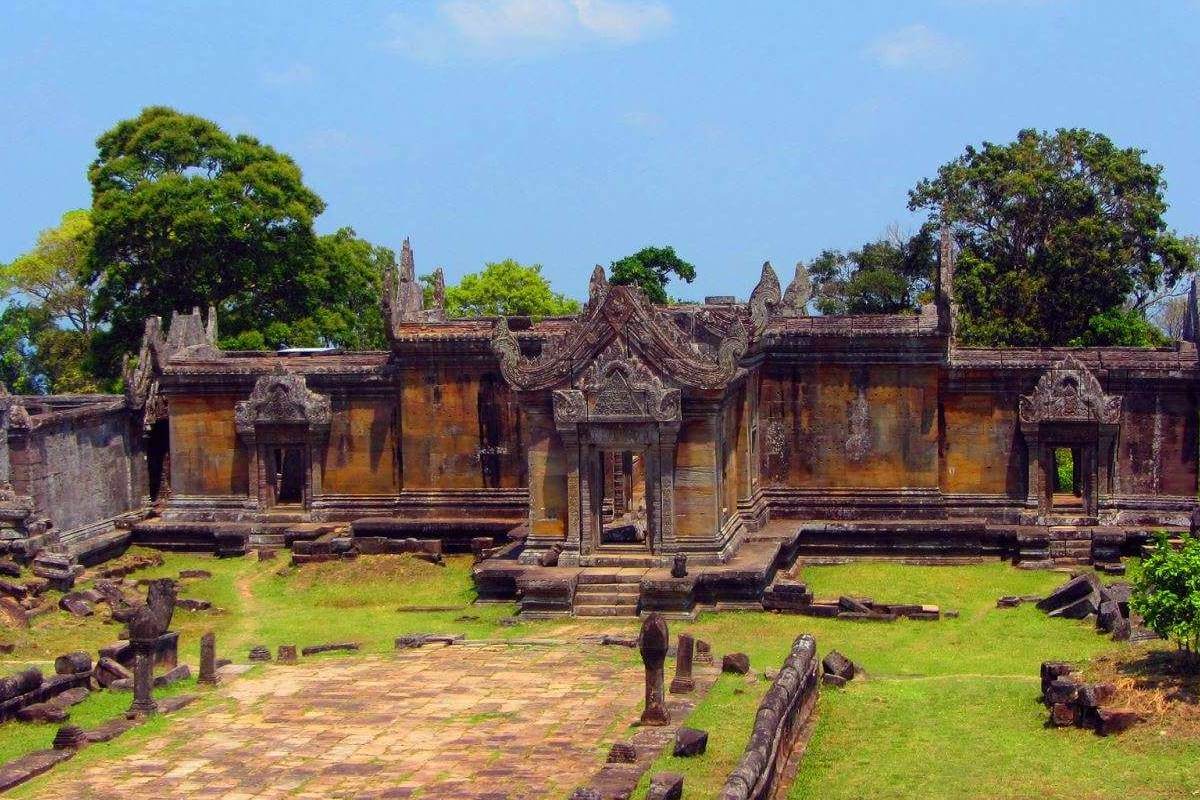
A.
pixel 607 594
pixel 1070 545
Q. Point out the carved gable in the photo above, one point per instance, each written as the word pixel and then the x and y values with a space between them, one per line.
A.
pixel 1069 392
pixel 282 398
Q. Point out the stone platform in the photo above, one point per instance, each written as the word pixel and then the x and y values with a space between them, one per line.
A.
pixel 629 591
pixel 460 722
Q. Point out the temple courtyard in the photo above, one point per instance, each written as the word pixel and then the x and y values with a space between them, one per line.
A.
pixel 517 709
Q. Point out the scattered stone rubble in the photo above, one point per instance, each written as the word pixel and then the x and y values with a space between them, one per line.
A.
pixel 837 670
pixel 1082 705
pixel 1084 596
pixel 794 597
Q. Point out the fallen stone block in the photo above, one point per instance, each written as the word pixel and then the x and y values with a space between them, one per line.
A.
pixel 121 685
pixel 837 664
pixel 870 616
pixel 1108 615
pixel 1070 592
pixel 1080 609
pixel 1094 695
pixel 735 663
pixel 260 653
pixel 1062 690
pixel 1063 715
pixel 70 697
pixel 622 753
pixel 194 573
pixel 666 786
pixel 42 712
pixel 188 604
pixel 690 742
pixel 30 766
pixel 853 606
pixel 9 569
pixel 1112 721
pixel 21 683
pixel 286 654
pixel 17 591
pixel 703 652
pixel 73 663
pixel 836 681
pixel 173 675
pixel 618 641
pixel 1051 670
pixel 109 670
pixel 827 610
pixel 328 648
pixel 1009 601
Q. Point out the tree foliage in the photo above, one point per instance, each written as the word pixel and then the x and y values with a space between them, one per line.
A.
pixel 650 269
pixel 1166 592
pixel 506 288
pixel 48 324
pixel 888 276
pixel 187 215
pixel 1057 235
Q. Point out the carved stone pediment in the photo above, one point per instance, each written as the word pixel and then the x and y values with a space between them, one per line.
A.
pixel 1069 392
pixel 282 398
pixel 622 313
pixel 617 387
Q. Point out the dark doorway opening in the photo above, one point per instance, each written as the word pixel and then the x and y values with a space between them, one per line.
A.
pixel 623 501
pixel 1066 478
pixel 158 458
pixel 288 468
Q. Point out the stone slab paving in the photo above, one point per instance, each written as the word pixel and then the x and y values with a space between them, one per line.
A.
pixel 495 722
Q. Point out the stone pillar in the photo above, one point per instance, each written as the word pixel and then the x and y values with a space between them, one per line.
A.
pixel 653 643
pixel 143 678
pixel 208 658
pixel 287 654
pixel 683 682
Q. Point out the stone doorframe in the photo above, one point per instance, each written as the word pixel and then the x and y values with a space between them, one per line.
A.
pixel 624 412
pixel 1068 408
pixel 282 412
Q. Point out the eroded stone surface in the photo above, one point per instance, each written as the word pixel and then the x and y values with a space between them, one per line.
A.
pixel 456 722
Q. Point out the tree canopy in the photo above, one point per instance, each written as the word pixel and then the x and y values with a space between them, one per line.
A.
pixel 887 276
pixel 1061 239
pixel 187 215
pixel 506 288
pixel 651 268
pixel 48 324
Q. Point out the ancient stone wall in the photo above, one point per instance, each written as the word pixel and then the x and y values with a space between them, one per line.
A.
pixel 360 456
pixel 866 426
pixel 80 465
pixel 982 452
pixel 207 456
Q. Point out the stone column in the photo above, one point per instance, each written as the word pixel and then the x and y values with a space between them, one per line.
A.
pixel 653 643
pixel 683 682
pixel 208 658
pixel 143 678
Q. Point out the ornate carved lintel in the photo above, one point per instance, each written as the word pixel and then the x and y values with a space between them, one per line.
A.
pixel 1069 392
pixel 282 398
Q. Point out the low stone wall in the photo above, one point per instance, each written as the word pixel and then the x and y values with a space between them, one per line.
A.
pixel 780 718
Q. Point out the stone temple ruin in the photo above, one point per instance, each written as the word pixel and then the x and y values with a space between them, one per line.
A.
pixel 628 459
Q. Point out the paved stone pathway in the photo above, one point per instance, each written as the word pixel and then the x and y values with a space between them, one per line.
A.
pixel 494 722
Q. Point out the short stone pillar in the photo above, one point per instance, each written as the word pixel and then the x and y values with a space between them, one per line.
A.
pixel 679 566
pixel 653 643
pixel 287 654
pixel 208 658
pixel 143 678
pixel 703 652
pixel 683 681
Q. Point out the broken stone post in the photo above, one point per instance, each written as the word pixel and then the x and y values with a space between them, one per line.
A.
pixel 147 622
pixel 208 658
pixel 143 678
pixel 652 644
pixel 683 681
pixel 679 566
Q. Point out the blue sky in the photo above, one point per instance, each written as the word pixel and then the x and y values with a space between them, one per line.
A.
pixel 572 132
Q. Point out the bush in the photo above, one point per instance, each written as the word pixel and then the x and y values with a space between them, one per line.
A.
pixel 1166 592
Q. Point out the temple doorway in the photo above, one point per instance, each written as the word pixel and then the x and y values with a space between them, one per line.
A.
pixel 287 469
pixel 623 519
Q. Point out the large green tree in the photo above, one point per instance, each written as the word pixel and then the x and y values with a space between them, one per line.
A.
pixel 50 295
pixel 1061 239
pixel 651 268
pixel 187 215
pixel 505 288
pixel 890 275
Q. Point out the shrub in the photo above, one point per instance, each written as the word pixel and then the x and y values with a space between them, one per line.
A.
pixel 1166 592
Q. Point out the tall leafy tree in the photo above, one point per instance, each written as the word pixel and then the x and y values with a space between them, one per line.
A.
pixel 186 215
pixel 1061 239
pixel 49 294
pixel 506 288
pixel 890 275
pixel 651 268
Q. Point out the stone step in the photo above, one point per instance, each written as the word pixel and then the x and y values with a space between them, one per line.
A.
pixel 606 611
pixel 623 588
pixel 586 578
pixel 606 599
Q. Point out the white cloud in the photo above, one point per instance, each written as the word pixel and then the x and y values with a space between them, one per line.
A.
pixel 917 46
pixel 289 75
pixel 515 28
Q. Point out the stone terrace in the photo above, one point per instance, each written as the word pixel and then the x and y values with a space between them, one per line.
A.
pixel 495 721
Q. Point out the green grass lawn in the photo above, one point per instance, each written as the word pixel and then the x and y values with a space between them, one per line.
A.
pixel 947 709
